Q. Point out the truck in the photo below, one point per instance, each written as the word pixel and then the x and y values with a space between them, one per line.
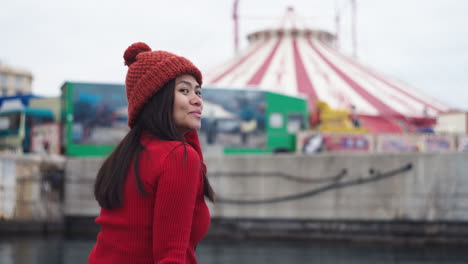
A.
pixel 18 117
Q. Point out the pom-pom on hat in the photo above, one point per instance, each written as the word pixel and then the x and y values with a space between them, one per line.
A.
pixel 149 71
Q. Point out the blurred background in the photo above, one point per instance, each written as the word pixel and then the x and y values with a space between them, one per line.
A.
pixel 334 131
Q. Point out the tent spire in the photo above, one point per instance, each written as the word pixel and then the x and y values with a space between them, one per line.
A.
pixel 235 17
pixel 354 18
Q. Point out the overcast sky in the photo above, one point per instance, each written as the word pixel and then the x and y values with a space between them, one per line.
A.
pixel 422 42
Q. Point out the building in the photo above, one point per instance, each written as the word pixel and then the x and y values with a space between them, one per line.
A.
pixel 452 122
pixel 14 81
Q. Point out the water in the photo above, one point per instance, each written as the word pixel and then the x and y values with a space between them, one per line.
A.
pixel 38 250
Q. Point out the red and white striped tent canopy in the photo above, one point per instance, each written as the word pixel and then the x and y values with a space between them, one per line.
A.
pixel 296 60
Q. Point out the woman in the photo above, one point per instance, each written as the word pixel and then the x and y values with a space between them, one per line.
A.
pixel 152 187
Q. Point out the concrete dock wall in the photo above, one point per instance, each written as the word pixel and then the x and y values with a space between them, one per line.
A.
pixel 377 197
pixel 414 194
pixel 31 191
pixel 79 187
pixel 421 187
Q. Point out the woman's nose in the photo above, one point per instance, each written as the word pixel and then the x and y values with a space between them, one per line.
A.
pixel 196 100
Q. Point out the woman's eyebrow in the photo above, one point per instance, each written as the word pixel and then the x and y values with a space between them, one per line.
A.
pixel 188 83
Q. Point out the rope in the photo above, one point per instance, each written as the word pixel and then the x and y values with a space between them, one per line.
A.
pixel 375 175
pixel 285 176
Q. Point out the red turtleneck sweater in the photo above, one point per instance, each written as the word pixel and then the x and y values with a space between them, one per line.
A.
pixel 165 226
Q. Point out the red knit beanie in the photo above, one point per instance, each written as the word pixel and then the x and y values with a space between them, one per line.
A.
pixel 149 71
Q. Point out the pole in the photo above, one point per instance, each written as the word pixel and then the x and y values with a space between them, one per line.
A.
pixel 337 29
pixel 354 21
pixel 236 26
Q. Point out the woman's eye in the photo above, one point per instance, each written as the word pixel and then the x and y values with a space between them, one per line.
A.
pixel 183 90
pixel 199 93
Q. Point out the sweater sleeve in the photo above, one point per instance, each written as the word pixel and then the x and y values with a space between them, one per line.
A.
pixel 174 205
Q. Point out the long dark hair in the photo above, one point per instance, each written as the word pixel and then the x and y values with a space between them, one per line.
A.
pixel 156 118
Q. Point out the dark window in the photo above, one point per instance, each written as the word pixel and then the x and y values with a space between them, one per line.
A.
pixel 9 123
pixel 3 79
pixel 32 120
pixel 18 81
pixel 295 123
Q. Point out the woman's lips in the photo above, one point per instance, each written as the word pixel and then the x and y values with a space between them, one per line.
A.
pixel 196 113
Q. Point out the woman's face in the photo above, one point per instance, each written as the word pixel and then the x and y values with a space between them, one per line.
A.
pixel 188 104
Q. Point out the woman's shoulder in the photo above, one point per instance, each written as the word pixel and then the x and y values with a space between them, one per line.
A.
pixel 163 148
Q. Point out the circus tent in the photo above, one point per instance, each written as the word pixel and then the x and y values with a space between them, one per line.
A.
pixel 296 60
